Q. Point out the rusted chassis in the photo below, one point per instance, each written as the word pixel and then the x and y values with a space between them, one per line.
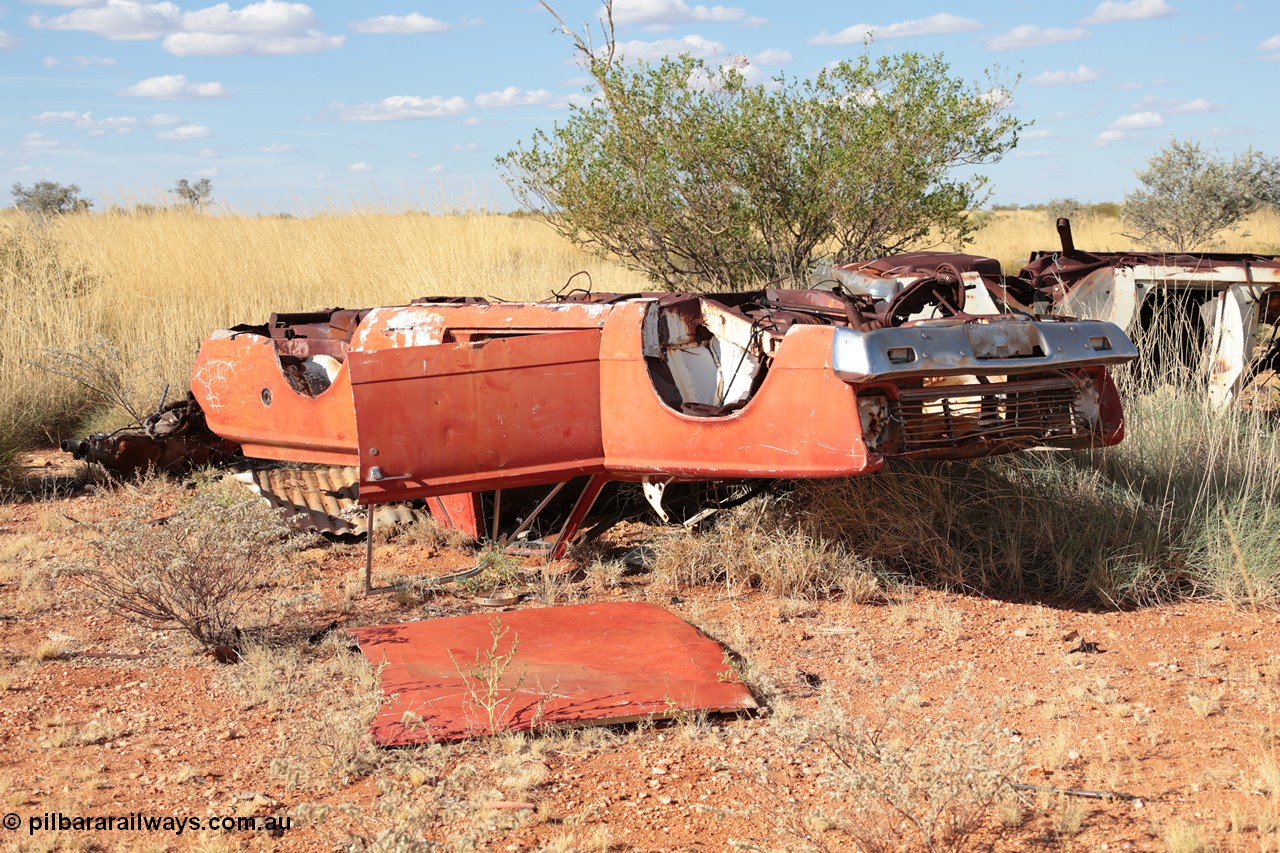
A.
pixel 1196 313
pixel 445 399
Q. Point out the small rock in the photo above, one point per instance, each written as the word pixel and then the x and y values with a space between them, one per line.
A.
pixel 659 770
pixel 1022 632
pixel 1214 643
pixel 666 801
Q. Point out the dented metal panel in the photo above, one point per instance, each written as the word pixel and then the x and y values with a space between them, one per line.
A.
pixel 586 664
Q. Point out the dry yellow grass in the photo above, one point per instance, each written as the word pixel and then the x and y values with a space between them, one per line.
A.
pixel 155 285
pixel 169 279
pixel 1010 236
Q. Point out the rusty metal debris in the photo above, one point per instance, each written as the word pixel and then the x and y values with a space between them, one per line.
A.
pixel 586 664
pixel 323 500
pixel 509 419
pixel 1197 314
pixel 171 441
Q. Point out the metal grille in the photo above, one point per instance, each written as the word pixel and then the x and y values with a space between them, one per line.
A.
pixel 1028 410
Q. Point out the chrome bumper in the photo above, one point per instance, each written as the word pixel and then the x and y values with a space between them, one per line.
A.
pixel 982 349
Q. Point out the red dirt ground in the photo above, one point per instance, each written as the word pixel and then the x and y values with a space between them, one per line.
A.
pixel 1174 705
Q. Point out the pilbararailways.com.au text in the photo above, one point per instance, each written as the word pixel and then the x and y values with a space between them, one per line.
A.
pixel 138 822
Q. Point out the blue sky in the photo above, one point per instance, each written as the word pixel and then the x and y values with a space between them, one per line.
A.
pixel 290 106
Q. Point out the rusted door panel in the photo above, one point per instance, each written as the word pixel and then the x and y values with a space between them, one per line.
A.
pixel 247 399
pixel 497 413
pixel 803 420
pixel 460 512
pixel 581 664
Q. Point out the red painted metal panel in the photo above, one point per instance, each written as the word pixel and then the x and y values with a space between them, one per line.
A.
pixel 802 422
pixel 247 399
pixel 464 676
pixel 460 512
pixel 479 415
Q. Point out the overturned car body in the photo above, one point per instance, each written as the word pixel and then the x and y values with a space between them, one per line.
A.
pixel 457 401
pixel 1195 314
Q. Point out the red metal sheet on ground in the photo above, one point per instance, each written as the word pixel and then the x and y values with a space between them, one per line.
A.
pixel 465 676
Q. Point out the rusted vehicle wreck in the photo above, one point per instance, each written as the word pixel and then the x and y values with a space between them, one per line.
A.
pixel 487 410
pixel 1196 316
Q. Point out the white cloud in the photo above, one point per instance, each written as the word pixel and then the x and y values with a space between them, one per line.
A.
pixel 997 96
pixel 208 153
pixel 1029 35
pixel 649 51
pixel 464 146
pixel 664 14
pixel 770 56
pixel 1138 121
pixel 172 87
pixel 86 121
pixel 1272 43
pixel 1111 11
pixel 164 120
pixel 268 18
pixel 63 115
pixel 938 24
pixel 513 97
pixel 8 42
pixel 39 140
pixel 277 148
pixel 233 44
pixel 1032 135
pixel 267 28
pixel 359 167
pixel 414 22
pixel 436 169
pixel 1109 136
pixel 1196 105
pixel 1083 74
pixel 186 131
pixel 119 20
pixel 401 108
pixel 208 172
pixel 82 61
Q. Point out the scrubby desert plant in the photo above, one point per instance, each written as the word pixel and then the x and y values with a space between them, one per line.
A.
pixel 894 778
pixel 198 569
pixel 688 172
pixel 1189 195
